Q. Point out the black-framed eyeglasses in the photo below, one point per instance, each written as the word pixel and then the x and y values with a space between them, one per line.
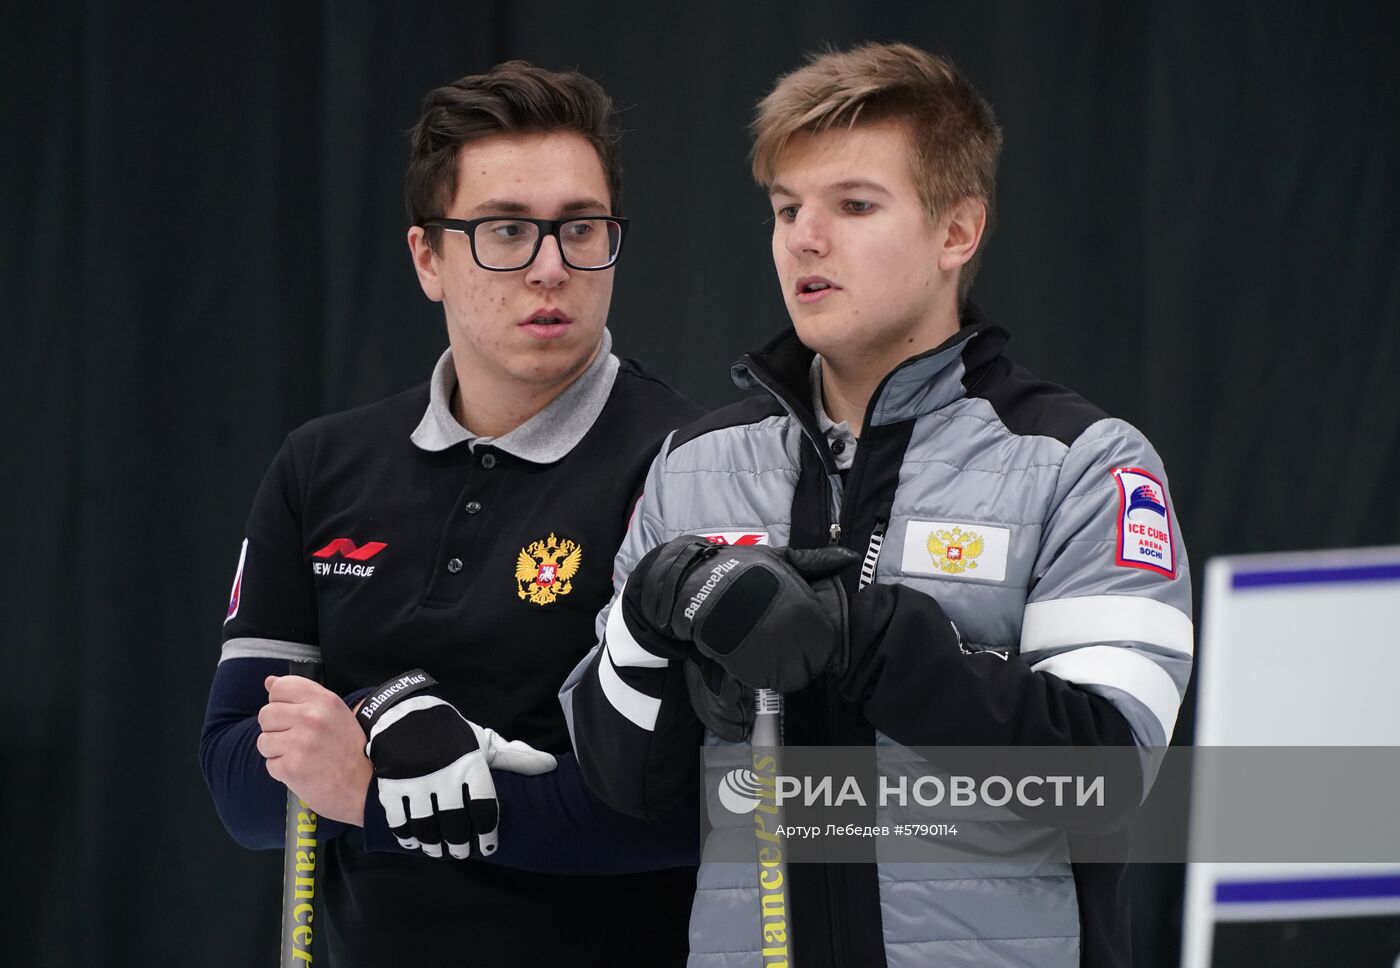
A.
pixel 506 243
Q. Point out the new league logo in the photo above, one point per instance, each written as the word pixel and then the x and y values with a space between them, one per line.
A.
pixel 349 551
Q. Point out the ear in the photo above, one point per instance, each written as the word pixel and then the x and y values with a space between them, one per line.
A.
pixel 964 224
pixel 425 263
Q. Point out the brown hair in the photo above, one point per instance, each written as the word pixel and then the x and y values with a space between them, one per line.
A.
pixel 953 133
pixel 512 98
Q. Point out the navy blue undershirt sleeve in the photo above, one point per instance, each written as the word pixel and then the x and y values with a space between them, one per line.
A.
pixel 549 824
pixel 251 804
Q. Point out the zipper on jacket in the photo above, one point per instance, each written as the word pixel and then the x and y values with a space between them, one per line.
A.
pixel 829 875
pixel 872 555
pixel 835 508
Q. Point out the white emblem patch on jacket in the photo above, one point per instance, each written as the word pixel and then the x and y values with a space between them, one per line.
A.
pixel 1144 526
pixel 955 549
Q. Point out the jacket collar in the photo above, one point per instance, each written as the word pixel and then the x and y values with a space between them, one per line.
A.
pixel 918 386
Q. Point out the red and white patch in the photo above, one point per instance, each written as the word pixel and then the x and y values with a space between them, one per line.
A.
pixel 237 592
pixel 736 537
pixel 1144 522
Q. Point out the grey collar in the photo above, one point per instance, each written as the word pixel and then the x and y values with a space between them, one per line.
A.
pixel 545 437
pixel 845 453
pixel 925 383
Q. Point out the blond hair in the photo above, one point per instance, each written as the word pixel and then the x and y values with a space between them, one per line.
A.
pixel 954 136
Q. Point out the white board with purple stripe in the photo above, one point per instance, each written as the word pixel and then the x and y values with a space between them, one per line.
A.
pixel 1297 649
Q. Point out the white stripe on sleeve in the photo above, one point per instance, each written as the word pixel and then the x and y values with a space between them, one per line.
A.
pixel 624 648
pixel 1132 672
pixel 632 703
pixel 1104 618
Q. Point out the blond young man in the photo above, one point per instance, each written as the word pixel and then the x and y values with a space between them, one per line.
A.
pixel 1023 578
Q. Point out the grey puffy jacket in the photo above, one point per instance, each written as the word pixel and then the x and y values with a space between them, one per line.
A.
pixel 1040 526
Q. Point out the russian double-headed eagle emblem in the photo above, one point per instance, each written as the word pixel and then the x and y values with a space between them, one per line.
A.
pixel 954 551
pixel 545 570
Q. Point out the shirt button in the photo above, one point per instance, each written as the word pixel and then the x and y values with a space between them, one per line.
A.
pixel 455 565
pixel 488 461
pixel 473 507
pixel 838 447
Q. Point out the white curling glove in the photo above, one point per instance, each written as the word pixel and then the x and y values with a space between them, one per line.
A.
pixel 434 766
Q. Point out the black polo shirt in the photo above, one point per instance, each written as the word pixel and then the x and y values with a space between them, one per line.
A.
pixel 387 538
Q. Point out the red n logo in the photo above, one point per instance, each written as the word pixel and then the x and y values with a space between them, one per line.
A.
pixel 346 549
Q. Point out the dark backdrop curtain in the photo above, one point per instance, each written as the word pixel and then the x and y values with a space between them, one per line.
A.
pixel 203 247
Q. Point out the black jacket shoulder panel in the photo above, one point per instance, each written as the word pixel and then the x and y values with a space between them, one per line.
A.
pixel 746 411
pixel 1030 406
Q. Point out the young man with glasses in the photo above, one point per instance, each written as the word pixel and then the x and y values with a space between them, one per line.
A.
pixel 1023 581
pixel 464 530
